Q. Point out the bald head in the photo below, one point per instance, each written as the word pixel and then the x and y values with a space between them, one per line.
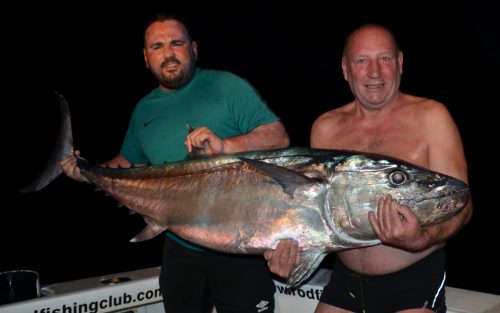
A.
pixel 368 32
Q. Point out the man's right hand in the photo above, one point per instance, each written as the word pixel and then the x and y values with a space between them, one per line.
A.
pixel 68 165
pixel 204 141
pixel 283 259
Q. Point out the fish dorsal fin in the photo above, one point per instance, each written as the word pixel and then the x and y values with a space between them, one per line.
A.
pixel 149 232
pixel 307 265
pixel 287 178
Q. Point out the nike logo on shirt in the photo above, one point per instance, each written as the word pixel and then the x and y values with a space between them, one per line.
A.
pixel 146 123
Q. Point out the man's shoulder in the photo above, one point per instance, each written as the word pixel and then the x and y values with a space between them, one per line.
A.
pixel 421 102
pixel 424 106
pixel 148 100
pixel 335 114
pixel 425 112
pixel 220 76
pixel 153 94
pixel 329 122
pixel 217 73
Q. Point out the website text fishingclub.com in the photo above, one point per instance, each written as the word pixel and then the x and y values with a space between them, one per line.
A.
pixel 102 304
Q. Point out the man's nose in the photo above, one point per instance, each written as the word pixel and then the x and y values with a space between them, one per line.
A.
pixel 374 70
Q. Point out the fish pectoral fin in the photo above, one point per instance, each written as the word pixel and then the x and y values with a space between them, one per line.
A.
pixel 287 178
pixel 307 265
pixel 150 231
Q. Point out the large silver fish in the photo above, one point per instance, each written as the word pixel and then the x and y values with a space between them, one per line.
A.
pixel 247 202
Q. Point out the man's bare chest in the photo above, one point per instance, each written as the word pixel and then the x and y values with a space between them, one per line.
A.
pixel 408 146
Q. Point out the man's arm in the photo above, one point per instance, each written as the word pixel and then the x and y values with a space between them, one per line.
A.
pixel 68 165
pixel 445 155
pixel 269 136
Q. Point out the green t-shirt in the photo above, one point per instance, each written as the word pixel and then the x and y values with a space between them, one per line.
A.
pixel 223 102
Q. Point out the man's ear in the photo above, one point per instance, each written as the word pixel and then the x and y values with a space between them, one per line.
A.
pixel 344 68
pixel 195 49
pixel 400 62
pixel 145 58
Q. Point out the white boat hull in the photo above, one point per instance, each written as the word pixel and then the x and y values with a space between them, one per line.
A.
pixel 138 292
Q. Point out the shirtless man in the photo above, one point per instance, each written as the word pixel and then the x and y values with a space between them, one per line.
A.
pixel 406 273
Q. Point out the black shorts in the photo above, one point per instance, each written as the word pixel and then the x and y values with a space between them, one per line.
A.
pixel 194 281
pixel 421 285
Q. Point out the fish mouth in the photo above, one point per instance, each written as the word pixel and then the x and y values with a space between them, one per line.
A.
pixel 464 194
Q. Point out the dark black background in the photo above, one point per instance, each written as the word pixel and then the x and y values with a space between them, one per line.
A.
pixel 92 54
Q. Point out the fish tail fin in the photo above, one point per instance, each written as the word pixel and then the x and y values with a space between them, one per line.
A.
pixel 307 265
pixel 62 148
pixel 150 231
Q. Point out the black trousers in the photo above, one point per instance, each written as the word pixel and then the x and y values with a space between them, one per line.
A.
pixel 195 281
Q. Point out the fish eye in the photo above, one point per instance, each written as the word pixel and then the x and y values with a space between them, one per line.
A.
pixel 398 177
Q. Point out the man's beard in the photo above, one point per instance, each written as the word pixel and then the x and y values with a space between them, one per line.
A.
pixel 173 82
pixel 177 80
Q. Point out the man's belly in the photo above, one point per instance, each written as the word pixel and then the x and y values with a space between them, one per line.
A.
pixel 380 259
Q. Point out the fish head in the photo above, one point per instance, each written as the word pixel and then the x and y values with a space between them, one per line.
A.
pixel 359 181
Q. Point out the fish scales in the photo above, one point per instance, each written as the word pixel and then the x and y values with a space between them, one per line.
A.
pixel 264 201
